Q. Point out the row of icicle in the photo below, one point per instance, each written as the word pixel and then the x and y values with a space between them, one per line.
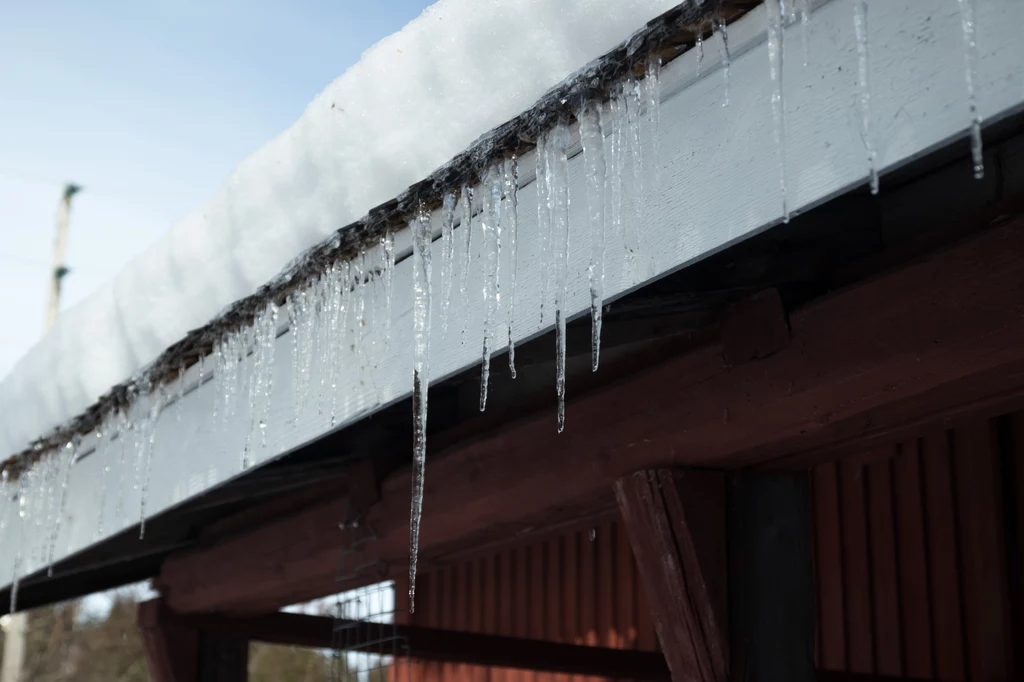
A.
pixel 343 317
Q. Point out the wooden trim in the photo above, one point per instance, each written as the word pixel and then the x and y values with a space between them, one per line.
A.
pixel 435 644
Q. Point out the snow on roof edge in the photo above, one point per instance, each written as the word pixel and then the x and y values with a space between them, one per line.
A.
pixel 668 35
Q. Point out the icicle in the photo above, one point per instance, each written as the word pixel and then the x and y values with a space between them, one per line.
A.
pixel 270 318
pixel 512 217
pixel 592 137
pixel 776 14
pixel 23 488
pixel 70 457
pixel 344 290
pixel 360 308
pixel 180 395
pixel 104 435
pixel 292 308
pixel 860 26
pixel 652 97
pixel 558 145
pixel 5 500
pixel 616 115
pixel 220 386
pixel 467 256
pixel 148 437
pixel 490 223
pixel 421 380
pixel 803 10
pixel 388 244
pixel 631 101
pixel 447 256
pixel 971 59
pixel 718 23
pixel 122 437
pixel 543 219
pixel 700 50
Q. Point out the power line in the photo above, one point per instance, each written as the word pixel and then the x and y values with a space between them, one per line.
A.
pixel 37 179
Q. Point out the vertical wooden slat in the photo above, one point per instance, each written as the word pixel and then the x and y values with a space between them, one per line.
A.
pixel 605 586
pixel 646 637
pixel 986 595
pixel 570 592
pixel 458 599
pixel 477 615
pixel 943 562
pixel 626 623
pixel 554 587
pixel 523 622
pixel 913 563
pixel 1014 483
pixel 828 539
pixel 489 587
pixel 888 644
pixel 587 628
pixel 857 574
pixel 538 598
pixel 506 585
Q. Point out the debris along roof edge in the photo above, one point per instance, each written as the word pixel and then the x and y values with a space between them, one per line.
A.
pixel 667 36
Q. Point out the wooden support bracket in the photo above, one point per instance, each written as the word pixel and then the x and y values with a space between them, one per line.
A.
pixel 676 525
pixel 177 651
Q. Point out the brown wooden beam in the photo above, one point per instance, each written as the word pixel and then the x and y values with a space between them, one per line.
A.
pixel 771 577
pixel 429 644
pixel 935 340
pixel 676 525
pixel 178 651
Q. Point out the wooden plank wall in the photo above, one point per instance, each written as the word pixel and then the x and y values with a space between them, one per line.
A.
pixel 917 556
pixel 579 586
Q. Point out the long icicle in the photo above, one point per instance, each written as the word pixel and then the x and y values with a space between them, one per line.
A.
pixel 71 456
pixel 512 216
pixel 592 137
pixel 776 16
pixel 971 59
pixel 467 257
pixel 447 256
pixel 543 218
pixel 420 228
pixel 860 26
pixel 388 244
pixel 558 145
pixel 490 222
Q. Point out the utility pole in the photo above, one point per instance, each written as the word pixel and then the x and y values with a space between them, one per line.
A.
pixel 16 627
pixel 60 246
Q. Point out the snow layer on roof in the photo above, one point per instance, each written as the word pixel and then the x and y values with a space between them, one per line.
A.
pixel 413 101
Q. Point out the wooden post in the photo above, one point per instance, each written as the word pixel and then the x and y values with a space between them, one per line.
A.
pixel 176 652
pixel 676 525
pixel 771 579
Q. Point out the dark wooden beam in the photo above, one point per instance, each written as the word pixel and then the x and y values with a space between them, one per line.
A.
pixel 172 651
pixel 771 578
pixel 676 525
pixel 935 340
pixel 429 644
pixel 177 651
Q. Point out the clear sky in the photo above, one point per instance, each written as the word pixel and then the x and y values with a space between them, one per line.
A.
pixel 148 105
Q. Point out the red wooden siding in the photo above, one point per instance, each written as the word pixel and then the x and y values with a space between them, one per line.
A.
pixel 578 587
pixel 911 557
pixel 918 561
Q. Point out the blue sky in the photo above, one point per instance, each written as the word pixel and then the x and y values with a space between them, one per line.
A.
pixel 147 105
